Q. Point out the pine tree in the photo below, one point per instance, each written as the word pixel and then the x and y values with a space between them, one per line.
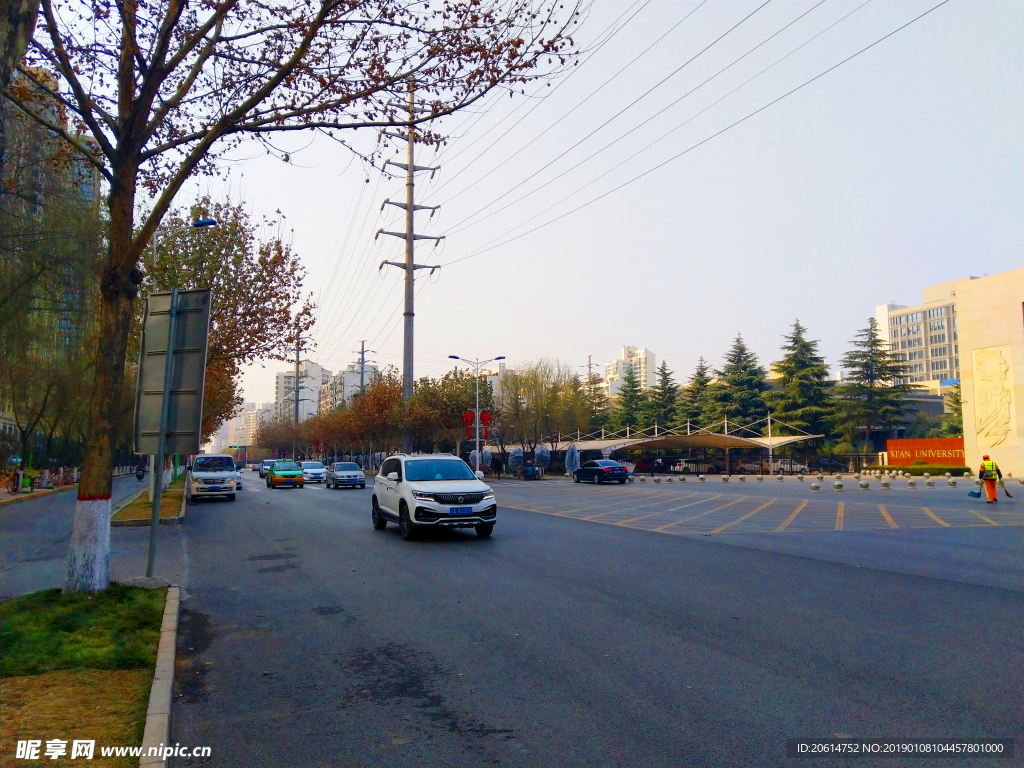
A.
pixel 804 400
pixel 660 407
pixel 598 402
pixel 630 400
pixel 691 401
pixel 736 395
pixel 871 398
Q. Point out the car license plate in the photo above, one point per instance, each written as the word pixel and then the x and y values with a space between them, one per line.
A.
pixel 461 511
pixel 289 480
pixel 213 488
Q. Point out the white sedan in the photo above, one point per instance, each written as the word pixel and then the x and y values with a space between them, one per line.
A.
pixel 313 472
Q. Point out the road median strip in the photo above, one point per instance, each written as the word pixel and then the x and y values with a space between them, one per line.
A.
pixel 139 512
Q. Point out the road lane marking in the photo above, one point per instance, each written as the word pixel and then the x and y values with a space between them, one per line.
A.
pixel 702 514
pixel 613 511
pixel 721 528
pixel 979 515
pixel 935 517
pixel 839 517
pixel 888 518
pixel 792 517
pixel 663 511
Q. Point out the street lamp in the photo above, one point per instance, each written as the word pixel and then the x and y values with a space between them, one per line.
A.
pixel 477 365
pixel 197 224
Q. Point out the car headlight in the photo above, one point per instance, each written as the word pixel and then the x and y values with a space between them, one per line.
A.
pixel 422 496
pixel 488 495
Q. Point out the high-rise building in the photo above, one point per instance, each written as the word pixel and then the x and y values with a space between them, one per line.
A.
pixel 311 378
pixel 969 332
pixel 259 415
pixel 643 363
pixel 237 433
pixel 340 388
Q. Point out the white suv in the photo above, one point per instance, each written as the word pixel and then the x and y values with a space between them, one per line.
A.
pixel 432 491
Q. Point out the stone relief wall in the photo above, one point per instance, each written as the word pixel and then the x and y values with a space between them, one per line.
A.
pixel 995 416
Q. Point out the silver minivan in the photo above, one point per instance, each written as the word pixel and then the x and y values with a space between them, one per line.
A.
pixel 345 473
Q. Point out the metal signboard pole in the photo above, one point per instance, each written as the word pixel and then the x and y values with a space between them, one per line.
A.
pixel 165 408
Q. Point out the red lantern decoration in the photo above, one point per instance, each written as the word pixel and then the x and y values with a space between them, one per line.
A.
pixel 485 417
pixel 468 418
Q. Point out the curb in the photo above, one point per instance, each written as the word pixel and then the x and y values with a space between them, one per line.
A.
pixel 36 494
pixel 157 733
pixel 148 521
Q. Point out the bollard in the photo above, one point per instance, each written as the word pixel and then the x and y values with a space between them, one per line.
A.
pixel 631 479
pixel 927 475
pixel 643 479
pixel 911 483
pixel 949 475
pixel 864 484
pixel 838 485
pixel 725 478
pixel 743 478
pixel 682 479
pixel 951 483
pixel 977 482
pixel 886 483
pixel 929 483
pixel 701 478
pixel 657 479
pixel 760 478
pixel 815 486
pixel 668 479
pixel 780 478
pixel 821 478
pixel 800 478
pixel 856 475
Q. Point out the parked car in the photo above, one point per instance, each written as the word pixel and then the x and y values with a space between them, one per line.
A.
pixel 829 466
pixel 345 473
pixel 654 466
pixel 433 491
pixel 265 465
pixel 601 471
pixel 788 467
pixel 284 474
pixel 314 472
pixel 214 475
pixel 702 466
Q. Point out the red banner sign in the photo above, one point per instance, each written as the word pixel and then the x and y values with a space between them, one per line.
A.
pixel 934 450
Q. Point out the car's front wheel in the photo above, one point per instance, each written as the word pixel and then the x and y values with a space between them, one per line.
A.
pixel 231 497
pixel 575 477
pixel 379 523
pixel 362 485
pixel 405 524
pixel 483 531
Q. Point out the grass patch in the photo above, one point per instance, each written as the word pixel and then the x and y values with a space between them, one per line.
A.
pixel 109 707
pixel 142 507
pixel 118 628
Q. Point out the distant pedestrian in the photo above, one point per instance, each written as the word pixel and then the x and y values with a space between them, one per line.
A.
pixel 990 473
pixel 496 467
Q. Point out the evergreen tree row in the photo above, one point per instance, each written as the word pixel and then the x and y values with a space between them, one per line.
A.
pixel 803 399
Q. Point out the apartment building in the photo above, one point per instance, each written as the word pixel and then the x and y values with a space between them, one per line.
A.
pixel 340 388
pixel 641 360
pixel 311 378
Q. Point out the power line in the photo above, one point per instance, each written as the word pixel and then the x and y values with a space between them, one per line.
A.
pixel 633 129
pixel 629 106
pixel 700 143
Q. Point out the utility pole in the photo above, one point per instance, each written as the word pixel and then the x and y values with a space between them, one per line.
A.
pixel 362 365
pixel 298 347
pixel 410 238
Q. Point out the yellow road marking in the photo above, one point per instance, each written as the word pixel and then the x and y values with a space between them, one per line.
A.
pixel 702 514
pixel 979 515
pixel 670 509
pixel 888 518
pixel 792 517
pixel 839 517
pixel 613 511
pixel 721 528
pixel 935 517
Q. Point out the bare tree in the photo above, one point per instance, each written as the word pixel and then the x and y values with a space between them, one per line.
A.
pixel 158 91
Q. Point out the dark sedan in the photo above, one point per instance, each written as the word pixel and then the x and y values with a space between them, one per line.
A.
pixel 601 471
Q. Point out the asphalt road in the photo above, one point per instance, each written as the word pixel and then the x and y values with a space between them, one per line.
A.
pixel 310 639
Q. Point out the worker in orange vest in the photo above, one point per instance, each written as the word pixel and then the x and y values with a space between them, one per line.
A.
pixel 990 473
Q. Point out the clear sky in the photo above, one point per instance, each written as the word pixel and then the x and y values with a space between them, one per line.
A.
pixel 900 168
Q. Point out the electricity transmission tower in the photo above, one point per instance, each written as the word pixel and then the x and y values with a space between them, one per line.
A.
pixel 410 238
